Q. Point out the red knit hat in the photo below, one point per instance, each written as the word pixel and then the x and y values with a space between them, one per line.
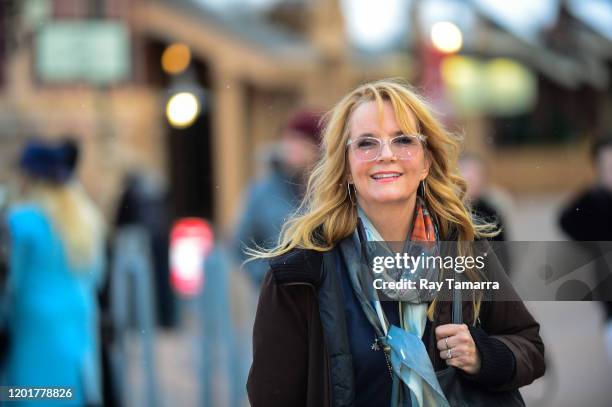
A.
pixel 308 124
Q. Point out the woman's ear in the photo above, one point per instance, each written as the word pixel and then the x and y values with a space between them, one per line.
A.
pixel 426 166
pixel 348 177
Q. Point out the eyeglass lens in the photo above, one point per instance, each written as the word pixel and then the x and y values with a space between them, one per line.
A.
pixel 369 148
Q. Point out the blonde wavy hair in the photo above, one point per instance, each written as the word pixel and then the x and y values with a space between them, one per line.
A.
pixel 75 217
pixel 326 214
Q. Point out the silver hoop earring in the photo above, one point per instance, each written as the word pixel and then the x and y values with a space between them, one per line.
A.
pixel 348 190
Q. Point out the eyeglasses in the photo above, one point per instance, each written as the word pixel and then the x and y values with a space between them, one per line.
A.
pixel 403 147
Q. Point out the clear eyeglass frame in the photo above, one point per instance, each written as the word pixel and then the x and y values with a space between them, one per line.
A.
pixel 402 155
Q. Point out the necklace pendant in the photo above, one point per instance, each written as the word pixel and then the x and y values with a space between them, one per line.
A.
pixel 375 346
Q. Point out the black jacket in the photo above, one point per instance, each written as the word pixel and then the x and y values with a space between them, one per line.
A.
pixel 301 355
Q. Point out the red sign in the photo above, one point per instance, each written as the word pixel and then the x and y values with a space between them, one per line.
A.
pixel 191 240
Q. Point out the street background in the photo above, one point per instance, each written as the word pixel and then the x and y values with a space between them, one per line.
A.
pixel 179 107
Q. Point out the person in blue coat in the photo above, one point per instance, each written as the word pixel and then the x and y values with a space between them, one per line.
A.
pixel 55 267
pixel 270 201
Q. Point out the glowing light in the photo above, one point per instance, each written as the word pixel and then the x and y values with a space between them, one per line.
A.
pixel 375 24
pixel 446 37
pixel 182 109
pixel 501 86
pixel 460 72
pixel 176 58
pixel 511 87
pixel 462 78
pixel 191 240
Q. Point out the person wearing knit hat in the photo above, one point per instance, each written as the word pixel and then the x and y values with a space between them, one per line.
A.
pixel 307 124
pixel 49 161
pixel 56 266
pixel 271 200
pixel 300 140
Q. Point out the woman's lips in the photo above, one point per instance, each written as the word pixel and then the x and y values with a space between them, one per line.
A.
pixel 386 177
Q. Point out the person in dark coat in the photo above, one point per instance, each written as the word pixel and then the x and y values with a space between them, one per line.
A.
pixel 473 169
pixel 588 217
pixel 144 203
pixel 323 336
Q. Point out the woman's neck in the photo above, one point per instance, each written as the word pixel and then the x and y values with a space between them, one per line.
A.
pixel 392 221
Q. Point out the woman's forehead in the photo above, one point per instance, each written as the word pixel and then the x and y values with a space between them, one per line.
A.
pixel 377 117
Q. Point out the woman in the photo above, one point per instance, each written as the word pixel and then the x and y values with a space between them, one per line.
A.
pixel 56 263
pixel 388 173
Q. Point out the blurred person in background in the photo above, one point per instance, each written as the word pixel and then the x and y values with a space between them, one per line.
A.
pixel 56 264
pixel 324 337
pixel 268 204
pixel 270 201
pixel 482 205
pixel 473 169
pixel 588 217
pixel 144 203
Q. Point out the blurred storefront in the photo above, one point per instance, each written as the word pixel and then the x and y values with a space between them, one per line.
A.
pixel 95 69
pixel 108 71
pixel 529 104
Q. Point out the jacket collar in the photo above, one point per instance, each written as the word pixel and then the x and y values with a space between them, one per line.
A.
pixel 298 266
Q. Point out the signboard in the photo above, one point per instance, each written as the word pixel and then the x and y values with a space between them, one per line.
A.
pixel 97 52
pixel 191 240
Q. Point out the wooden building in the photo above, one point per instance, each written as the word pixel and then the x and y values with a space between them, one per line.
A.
pixel 253 74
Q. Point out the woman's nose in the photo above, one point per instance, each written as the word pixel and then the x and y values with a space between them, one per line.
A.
pixel 385 151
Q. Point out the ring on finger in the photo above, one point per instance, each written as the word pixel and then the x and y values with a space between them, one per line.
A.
pixel 449 353
pixel 446 342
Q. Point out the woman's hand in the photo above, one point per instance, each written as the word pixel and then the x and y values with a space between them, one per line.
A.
pixel 457 347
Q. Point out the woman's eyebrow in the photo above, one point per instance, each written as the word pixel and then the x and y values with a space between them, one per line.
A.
pixel 363 135
pixel 396 133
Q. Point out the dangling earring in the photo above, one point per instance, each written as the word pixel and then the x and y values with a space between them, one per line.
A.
pixel 423 187
pixel 348 189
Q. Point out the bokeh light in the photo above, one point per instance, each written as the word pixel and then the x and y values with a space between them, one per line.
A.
pixel 182 109
pixel 176 58
pixel 511 87
pixel 500 86
pixel 446 37
pixel 462 78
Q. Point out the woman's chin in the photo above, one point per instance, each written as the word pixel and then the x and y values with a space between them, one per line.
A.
pixel 389 199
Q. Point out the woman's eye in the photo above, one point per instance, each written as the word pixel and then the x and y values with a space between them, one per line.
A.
pixel 366 144
pixel 404 140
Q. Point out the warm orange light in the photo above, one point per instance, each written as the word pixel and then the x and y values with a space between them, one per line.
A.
pixel 176 58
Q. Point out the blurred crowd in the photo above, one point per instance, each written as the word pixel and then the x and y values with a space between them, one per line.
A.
pixel 73 285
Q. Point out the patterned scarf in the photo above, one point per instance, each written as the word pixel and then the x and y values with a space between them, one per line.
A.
pixel 414 378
